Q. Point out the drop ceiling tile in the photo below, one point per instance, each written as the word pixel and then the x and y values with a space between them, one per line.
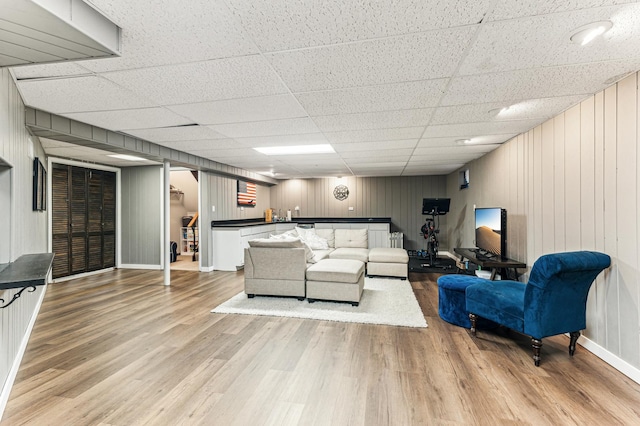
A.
pixel 509 9
pixel 49 70
pixel 177 133
pixel 432 170
pixel 230 152
pixel 362 147
pixel 453 141
pixel 213 80
pixel 397 133
pixel 411 57
pixel 374 120
pixel 282 24
pixel 515 86
pixel 543 41
pixel 376 154
pixel 307 158
pixel 201 145
pixel 290 126
pixel 261 108
pixel 389 158
pixel 129 119
pixel 530 109
pixel 443 158
pixel 284 140
pixel 77 94
pixel 481 129
pixel 461 150
pixel 384 97
pixel 172 32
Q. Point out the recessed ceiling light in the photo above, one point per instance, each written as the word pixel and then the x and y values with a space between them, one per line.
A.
pixel 589 32
pixel 296 149
pixel 126 157
pixel 463 141
pixel 497 111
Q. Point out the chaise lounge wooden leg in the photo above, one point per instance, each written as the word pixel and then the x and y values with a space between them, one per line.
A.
pixel 536 344
pixel 572 343
pixel 474 319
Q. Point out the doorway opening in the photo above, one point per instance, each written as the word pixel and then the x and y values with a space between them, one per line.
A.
pixel 184 222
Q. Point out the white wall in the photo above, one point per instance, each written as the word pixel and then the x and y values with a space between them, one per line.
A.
pixel 572 183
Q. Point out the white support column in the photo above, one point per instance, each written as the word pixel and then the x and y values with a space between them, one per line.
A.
pixel 166 238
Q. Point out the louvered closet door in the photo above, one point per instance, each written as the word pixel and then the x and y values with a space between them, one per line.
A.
pixel 83 205
pixel 60 221
pixel 109 219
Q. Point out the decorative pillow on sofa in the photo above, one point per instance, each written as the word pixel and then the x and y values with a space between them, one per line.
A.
pixel 289 234
pixel 310 237
pixel 328 234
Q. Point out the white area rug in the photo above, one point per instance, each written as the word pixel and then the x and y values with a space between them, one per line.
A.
pixel 384 301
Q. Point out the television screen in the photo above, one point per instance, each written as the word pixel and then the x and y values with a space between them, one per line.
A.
pixel 491 228
pixel 435 205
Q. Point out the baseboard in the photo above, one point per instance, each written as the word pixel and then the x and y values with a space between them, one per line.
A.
pixel 82 275
pixel 141 266
pixel 207 269
pixel 8 384
pixel 613 360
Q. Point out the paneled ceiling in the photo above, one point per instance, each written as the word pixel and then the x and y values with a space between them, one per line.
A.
pixel 392 86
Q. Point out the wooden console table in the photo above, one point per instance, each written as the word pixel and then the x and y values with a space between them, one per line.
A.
pixel 27 272
pixel 494 263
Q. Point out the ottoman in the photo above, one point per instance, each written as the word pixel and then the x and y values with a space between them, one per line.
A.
pixel 388 262
pixel 452 302
pixel 336 280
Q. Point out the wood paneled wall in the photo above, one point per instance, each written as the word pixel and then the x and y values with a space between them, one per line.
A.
pixel 27 232
pixel 397 197
pixel 141 195
pixel 572 183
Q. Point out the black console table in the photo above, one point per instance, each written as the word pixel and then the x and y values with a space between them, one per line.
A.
pixel 27 272
pixel 495 263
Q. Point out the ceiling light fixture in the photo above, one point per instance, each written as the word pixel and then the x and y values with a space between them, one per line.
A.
pixel 126 157
pixel 589 32
pixel 463 141
pixel 296 149
pixel 497 111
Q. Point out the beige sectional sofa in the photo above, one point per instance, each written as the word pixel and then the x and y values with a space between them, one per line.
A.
pixel 277 266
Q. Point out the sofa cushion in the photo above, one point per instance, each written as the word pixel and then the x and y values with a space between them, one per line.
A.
pixel 388 255
pixel 321 254
pixel 327 234
pixel 361 254
pixel 336 270
pixel 354 238
pixel 290 242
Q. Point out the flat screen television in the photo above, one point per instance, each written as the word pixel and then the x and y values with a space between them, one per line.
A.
pixel 435 205
pixel 491 231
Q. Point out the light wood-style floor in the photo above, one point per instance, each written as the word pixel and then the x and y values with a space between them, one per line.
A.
pixel 121 349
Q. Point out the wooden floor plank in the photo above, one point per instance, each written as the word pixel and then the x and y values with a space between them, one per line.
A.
pixel 120 348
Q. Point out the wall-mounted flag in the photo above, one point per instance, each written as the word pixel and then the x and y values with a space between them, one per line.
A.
pixel 246 194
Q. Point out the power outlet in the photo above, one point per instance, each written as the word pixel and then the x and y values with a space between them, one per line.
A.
pixel 350 209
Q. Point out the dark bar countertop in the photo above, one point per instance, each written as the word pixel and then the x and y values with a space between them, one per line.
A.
pixel 238 223
pixel 28 270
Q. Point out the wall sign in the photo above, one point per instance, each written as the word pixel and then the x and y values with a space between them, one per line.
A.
pixel 341 192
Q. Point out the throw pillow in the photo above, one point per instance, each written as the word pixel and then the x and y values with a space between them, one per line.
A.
pixel 310 237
